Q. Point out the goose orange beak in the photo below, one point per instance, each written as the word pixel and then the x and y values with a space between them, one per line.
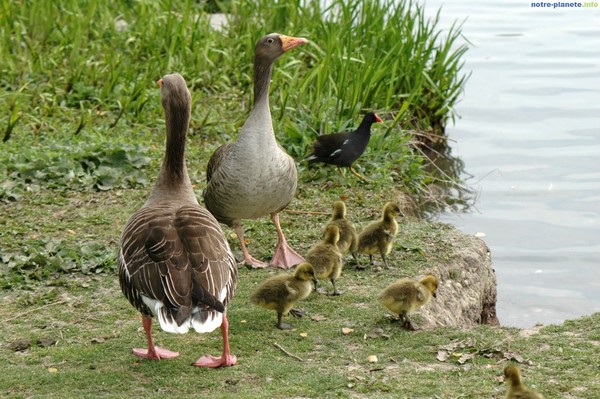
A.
pixel 160 83
pixel 289 42
pixel 377 118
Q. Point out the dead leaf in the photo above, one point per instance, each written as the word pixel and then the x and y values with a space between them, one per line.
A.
pixel 318 317
pixel 465 358
pixel 346 330
pixel 52 369
pixel 442 356
pixel 304 334
pixel 372 359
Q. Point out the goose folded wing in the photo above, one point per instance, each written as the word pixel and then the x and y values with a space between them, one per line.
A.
pixel 214 163
pixel 213 268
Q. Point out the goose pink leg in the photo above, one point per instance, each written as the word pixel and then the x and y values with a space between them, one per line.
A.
pixel 285 257
pixel 153 352
pixel 255 263
pixel 227 359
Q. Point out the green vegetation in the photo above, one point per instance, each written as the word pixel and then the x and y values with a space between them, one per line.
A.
pixel 70 334
pixel 77 81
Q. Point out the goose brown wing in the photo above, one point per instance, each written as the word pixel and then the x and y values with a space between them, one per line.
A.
pixel 152 261
pixel 213 268
pixel 215 160
pixel 164 257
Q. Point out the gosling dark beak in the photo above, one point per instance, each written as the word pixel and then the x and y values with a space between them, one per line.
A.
pixel 315 282
pixel 435 294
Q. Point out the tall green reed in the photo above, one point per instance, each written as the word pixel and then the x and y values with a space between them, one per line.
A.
pixel 72 66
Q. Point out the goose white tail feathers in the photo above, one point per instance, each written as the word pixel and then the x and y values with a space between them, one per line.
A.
pixel 203 320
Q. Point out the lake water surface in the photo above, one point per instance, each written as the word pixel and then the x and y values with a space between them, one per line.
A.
pixel 529 134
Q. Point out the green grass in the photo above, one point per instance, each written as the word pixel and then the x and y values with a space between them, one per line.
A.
pixel 94 327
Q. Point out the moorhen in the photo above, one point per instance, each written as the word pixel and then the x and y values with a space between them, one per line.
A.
pixel 342 149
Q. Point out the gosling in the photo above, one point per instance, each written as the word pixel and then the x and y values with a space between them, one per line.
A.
pixel 326 259
pixel 407 295
pixel 378 236
pixel 348 241
pixel 282 291
pixel 516 389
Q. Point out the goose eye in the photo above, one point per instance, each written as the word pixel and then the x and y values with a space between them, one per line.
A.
pixel 270 40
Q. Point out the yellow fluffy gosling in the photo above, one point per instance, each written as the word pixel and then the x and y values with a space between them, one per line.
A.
pixel 348 241
pixel 325 257
pixel 282 291
pixel 407 295
pixel 378 236
pixel 516 389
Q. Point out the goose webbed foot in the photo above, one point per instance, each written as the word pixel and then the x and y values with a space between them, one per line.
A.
pixel 281 325
pixel 155 353
pixel 254 263
pixel 213 362
pixel 285 257
pixel 248 259
pixel 226 359
pixel 298 313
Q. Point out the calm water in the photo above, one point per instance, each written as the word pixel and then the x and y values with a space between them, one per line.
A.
pixel 529 134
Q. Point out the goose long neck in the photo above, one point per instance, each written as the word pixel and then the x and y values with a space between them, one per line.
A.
pixel 262 80
pixel 174 163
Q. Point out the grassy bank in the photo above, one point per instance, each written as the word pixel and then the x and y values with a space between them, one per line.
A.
pixel 70 334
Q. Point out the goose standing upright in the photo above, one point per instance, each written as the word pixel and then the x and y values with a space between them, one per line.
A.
pixel 174 261
pixel 254 176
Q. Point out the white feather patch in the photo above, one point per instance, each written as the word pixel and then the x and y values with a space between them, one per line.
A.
pixel 166 323
pixel 208 325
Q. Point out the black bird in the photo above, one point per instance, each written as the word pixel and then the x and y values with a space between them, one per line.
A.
pixel 342 149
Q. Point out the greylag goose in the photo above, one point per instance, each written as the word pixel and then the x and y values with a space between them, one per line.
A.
pixel 348 241
pixel 407 295
pixel 516 389
pixel 326 259
pixel 254 176
pixel 342 149
pixel 282 291
pixel 174 261
pixel 378 236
